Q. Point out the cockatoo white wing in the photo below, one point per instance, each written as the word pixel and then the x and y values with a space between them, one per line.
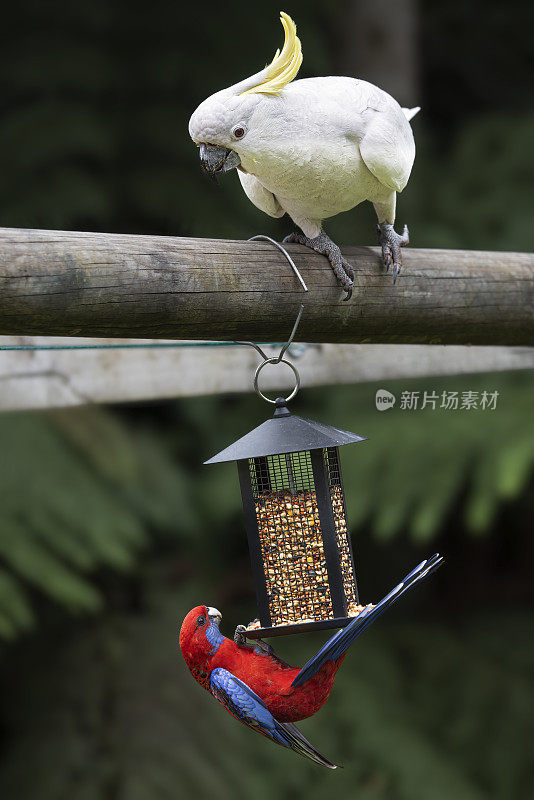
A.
pixel 259 195
pixel 387 145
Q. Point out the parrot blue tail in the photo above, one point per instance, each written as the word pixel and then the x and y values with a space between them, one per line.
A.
pixel 340 642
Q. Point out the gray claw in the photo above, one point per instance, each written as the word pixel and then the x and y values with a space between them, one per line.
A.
pixel 391 243
pixel 326 247
pixel 291 237
pixel 239 637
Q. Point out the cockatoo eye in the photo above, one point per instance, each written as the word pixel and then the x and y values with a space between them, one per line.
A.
pixel 238 132
pixel 200 621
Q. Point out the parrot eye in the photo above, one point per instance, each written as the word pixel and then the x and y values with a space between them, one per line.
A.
pixel 238 132
pixel 200 621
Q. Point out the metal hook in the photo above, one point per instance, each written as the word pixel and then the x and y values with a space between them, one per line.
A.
pixel 284 348
pixel 292 335
pixel 286 254
pixel 277 359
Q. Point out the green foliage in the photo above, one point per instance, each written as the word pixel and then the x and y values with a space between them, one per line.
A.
pixel 78 494
pixel 84 491
pixel 93 135
pixel 417 464
pixel 476 196
pixel 419 712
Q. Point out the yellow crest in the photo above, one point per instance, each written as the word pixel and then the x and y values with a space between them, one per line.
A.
pixel 285 65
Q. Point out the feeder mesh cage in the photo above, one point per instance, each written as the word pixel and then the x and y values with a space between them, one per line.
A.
pixel 291 540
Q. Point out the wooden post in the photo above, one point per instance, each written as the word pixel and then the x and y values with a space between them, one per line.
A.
pixel 57 378
pixel 97 284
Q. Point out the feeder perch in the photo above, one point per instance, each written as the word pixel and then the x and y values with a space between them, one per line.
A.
pixel 296 523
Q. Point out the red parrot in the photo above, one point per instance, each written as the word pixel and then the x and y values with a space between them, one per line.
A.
pixel 261 690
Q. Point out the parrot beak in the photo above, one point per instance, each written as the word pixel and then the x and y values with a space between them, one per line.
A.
pixel 215 159
pixel 214 615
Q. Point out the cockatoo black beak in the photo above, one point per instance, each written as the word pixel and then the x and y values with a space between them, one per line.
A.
pixel 215 159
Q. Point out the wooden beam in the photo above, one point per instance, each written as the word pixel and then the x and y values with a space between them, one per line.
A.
pixel 98 284
pixel 60 378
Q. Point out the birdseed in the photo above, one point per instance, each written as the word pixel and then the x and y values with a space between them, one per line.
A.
pixel 293 556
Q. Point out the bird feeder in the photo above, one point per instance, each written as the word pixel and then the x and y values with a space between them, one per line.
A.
pixel 296 523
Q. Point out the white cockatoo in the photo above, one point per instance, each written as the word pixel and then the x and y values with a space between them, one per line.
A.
pixel 311 148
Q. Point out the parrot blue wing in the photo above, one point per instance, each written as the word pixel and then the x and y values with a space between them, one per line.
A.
pixel 248 708
pixel 340 642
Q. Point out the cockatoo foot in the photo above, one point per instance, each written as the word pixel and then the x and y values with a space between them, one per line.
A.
pixel 391 243
pixel 324 245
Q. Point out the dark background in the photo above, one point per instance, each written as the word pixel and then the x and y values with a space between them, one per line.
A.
pixel 110 528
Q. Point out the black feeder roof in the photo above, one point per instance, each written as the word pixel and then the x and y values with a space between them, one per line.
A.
pixel 285 433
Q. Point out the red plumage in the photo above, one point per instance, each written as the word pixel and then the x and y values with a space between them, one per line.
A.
pixel 267 675
pixel 262 691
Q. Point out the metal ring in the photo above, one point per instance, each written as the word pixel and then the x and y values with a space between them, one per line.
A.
pixel 276 361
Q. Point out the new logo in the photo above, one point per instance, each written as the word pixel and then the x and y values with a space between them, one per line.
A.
pixel 384 400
